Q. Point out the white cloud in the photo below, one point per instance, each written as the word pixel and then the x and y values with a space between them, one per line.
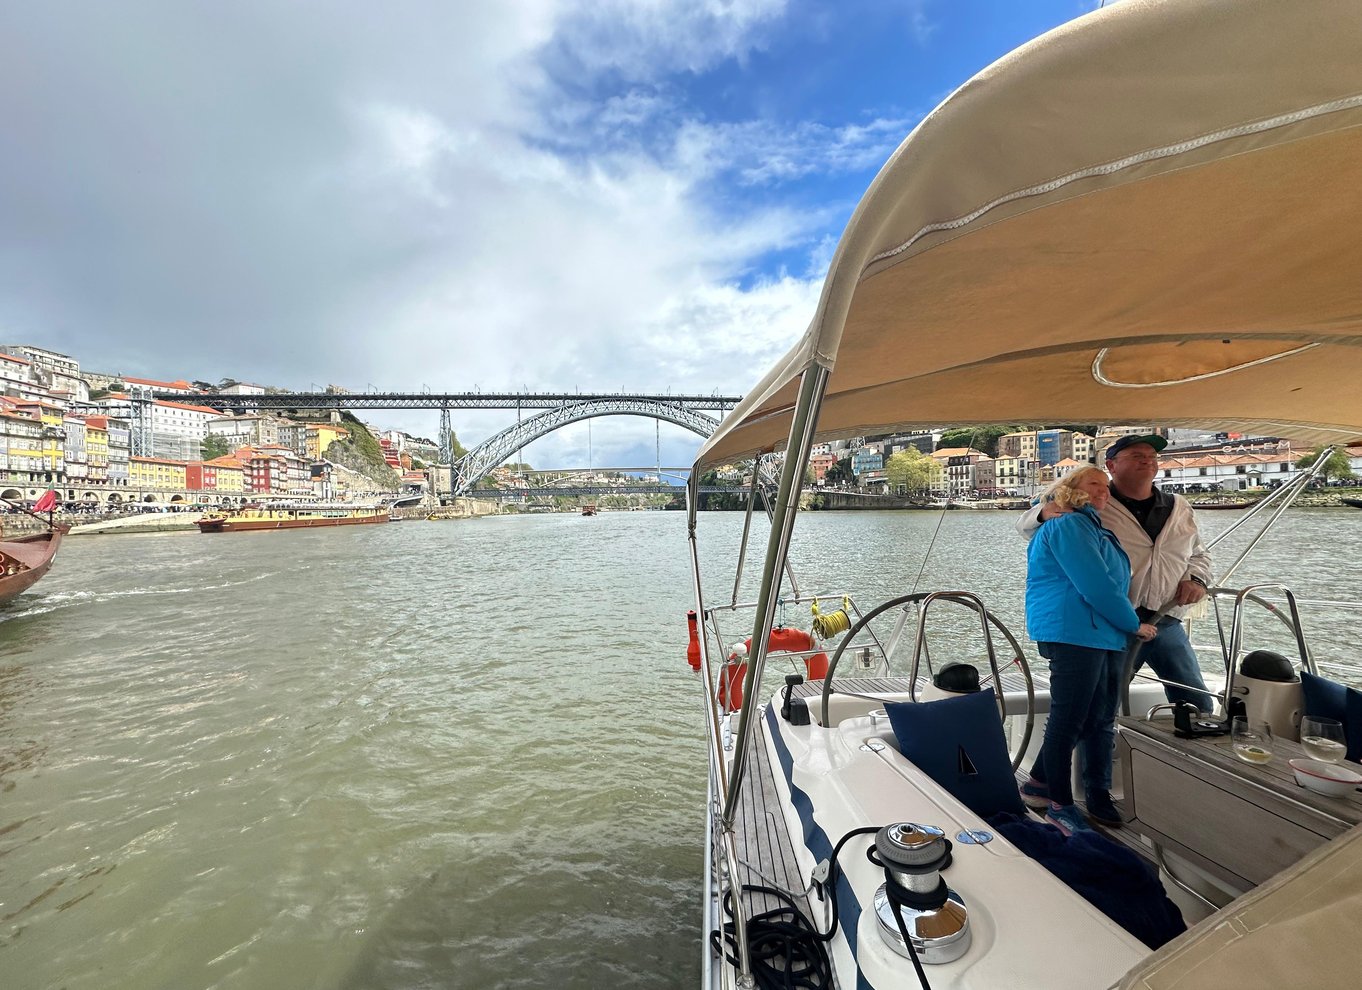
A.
pixel 642 38
pixel 404 197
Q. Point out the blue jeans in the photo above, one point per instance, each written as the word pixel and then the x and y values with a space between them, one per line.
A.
pixel 1085 686
pixel 1170 655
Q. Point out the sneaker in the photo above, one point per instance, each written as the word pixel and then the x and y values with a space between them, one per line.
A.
pixel 1102 809
pixel 1067 818
pixel 1035 794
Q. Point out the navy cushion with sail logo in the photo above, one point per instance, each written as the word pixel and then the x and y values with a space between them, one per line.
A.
pixel 959 743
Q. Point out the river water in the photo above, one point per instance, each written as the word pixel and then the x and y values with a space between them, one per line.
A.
pixel 454 754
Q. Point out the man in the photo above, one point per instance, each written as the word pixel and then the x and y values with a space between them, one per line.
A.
pixel 1169 564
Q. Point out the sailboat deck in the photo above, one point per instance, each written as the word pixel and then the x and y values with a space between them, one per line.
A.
pixel 765 851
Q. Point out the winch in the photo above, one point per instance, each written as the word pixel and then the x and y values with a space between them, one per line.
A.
pixel 914 904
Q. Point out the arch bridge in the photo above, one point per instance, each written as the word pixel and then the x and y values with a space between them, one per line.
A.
pixel 475 465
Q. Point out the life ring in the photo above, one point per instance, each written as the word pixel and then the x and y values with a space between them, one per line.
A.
pixel 783 639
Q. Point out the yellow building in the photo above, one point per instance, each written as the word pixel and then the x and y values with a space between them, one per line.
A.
pixel 97 447
pixel 320 436
pixel 153 472
pixel 21 446
pixel 231 476
pixel 53 445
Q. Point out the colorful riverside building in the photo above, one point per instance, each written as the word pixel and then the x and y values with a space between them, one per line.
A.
pixel 97 449
pixel 156 472
pixel 221 475
pixel 319 436
pixel 21 446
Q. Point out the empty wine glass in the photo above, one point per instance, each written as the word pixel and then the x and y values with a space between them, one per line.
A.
pixel 1252 743
pixel 1322 738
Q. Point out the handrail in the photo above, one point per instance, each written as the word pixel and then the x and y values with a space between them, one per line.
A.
pixel 1237 623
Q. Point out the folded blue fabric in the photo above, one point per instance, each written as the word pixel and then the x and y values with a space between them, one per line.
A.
pixel 1329 699
pixel 1108 876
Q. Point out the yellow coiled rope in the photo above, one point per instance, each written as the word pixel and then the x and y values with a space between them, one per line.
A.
pixel 829 624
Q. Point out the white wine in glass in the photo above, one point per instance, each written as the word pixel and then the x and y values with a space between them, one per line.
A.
pixel 1322 739
pixel 1252 744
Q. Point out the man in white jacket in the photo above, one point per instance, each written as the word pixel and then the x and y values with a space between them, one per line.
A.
pixel 1169 565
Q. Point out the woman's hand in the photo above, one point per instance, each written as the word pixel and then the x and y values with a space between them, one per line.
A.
pixel 1146 632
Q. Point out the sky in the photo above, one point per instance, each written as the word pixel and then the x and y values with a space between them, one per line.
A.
pixel 553 195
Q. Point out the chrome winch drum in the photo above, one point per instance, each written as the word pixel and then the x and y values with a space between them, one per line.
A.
pixel 934 915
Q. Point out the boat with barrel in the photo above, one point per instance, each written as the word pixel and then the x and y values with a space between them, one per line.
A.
pixel 24 560
pixel 292 515
pixel 1146 216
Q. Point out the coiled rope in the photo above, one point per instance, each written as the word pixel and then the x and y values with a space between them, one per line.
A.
pixel 829 624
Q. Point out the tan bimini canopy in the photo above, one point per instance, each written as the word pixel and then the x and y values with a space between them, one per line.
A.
pixel 1152 214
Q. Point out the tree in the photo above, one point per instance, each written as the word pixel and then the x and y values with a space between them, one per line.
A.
pixel 213 445
pixel 1336 466
pixel 840 473
pixel 981 438
pixel 911 470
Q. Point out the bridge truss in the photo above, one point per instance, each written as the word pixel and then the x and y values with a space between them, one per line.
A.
pixel 468 470
pixel 560 409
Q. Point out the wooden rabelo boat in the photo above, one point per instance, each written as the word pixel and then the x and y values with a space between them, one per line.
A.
pixel 25 559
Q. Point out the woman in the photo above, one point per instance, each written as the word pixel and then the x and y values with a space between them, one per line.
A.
pixel 1077 612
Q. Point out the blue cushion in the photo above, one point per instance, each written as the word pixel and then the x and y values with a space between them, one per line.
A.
pixel 959 743
pixel 1329 699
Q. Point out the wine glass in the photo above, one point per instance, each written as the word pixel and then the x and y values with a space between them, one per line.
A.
pixel 1252 742
pixel 1322 738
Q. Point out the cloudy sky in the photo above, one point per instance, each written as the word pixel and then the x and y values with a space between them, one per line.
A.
pixel 495 194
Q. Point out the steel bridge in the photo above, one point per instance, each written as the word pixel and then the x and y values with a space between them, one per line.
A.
pixel 560 409
pixel 511 494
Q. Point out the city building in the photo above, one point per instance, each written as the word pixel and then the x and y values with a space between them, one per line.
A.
pixel 156 472
pixel 249 430
pixel 56 372
pixel 958 469
pixel 97 449
pixel 864 460
pixel 318 436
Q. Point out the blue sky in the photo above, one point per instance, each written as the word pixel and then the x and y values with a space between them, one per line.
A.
pixel 585 194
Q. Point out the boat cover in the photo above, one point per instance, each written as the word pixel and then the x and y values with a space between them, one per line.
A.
pixel 1147 215
pixel 1297 930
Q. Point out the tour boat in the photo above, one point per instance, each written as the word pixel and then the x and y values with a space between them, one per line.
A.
pixel 1148 216
pixel 293 515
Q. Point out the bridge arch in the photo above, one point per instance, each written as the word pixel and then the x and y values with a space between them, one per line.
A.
pixel 479 462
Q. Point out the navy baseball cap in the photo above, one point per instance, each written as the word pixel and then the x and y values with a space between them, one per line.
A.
pixel 1157 442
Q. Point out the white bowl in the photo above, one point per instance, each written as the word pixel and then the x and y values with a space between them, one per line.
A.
pixel 1325 778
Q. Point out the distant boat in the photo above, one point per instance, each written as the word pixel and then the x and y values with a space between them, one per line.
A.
pixel 25 559
pixel 1356 503
pixel 1242 504
pixel 589 509
pixel 293 515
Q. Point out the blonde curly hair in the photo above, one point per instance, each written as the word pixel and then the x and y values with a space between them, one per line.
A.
pixel 1065 492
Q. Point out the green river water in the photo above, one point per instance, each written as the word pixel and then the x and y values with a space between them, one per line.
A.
pixel 455 754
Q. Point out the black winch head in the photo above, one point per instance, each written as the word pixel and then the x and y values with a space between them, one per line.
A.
pixel 1267 665
pixel 960 678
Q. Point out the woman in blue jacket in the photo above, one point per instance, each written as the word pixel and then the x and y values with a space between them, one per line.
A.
pixel 1077 577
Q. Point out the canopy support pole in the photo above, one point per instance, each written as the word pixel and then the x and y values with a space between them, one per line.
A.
pixel 811 386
